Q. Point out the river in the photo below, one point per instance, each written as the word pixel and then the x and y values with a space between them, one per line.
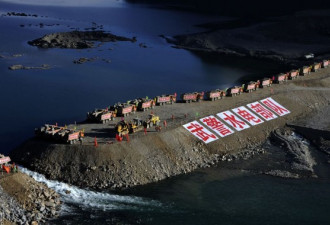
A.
pixel 66 92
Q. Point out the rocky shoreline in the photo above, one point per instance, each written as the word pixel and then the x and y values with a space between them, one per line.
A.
pixel 159 155
pixel 286 39
pixel 25 201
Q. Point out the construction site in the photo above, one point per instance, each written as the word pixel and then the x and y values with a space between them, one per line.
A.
pixel 145 146
pixel 122 121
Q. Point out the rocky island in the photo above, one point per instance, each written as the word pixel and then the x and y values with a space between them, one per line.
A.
pixel 76 39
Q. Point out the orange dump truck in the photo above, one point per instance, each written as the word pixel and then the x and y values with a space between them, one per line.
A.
pixel 215 94
pixel 61 134
pixel 47 131
pixel 69 136
pixel 305 70
pixel 251 86
pixel 293 74
pixel 316 67
pixel 266 82
pixel 233 91
pixel 165 99
pixel 123 109
pixel 145 104
pixel 192 97
pixel 325 63
pixel 101 115
pixel 280 78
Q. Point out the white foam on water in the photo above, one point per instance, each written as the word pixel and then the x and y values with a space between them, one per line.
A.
pixel 92 199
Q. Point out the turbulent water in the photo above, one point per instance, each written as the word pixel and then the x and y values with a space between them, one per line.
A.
pixel 66 92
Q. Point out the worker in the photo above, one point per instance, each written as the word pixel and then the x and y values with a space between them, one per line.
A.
pixel 165 123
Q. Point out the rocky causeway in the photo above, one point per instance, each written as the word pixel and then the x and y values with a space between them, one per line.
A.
pixel 173 151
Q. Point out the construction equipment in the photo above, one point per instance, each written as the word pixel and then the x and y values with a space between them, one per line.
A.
pixel 70 136
pixel 47 131
pixel 152 120
pixel 144 104
pixel 123 109
pixel 325 63
pixel 136 125
pixel 215 94
pixel 233 91
pixel 122 128
pixel 266 82
pixel 61 134
pixel 305 70
pixel 101 115
pixel 251 86
pixel 280 78
pixel 192 97
pixel 165 99
pixel 293 74
pixel 316 66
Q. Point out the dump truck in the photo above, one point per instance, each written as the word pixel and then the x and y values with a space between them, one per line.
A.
pixel 293 74
pixel 48 131
pixel 152 120
pixel 316 66
pixel 70 136
pixel 305 70
pixel 280 78
pixel 251 86
pixel 101 115
pixel 233 91
pixel 215 94
pixel 122 128
pixel 192 97
pixel 165 99
pixel 266 82
pixel 145 104
pixel 123 109
pixel 325 63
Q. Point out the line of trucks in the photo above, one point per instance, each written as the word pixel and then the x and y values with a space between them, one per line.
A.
pixel 143 104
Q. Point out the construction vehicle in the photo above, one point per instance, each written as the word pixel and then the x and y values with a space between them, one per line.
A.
pixel 234 91
pixel 123 109
pixel 215 94
pixel 325 63
pixel 122 128
pixel 144 104
pixel 251 86
pixel 266 82
pixel 152 120
pixel 70 136
pixel 316 67
pixel 192 97
pixel 136 125
pixel 293 74
pixel 47 131
pixel 101 115
pixel 305 70
pixel 165 99
pixel 280 78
